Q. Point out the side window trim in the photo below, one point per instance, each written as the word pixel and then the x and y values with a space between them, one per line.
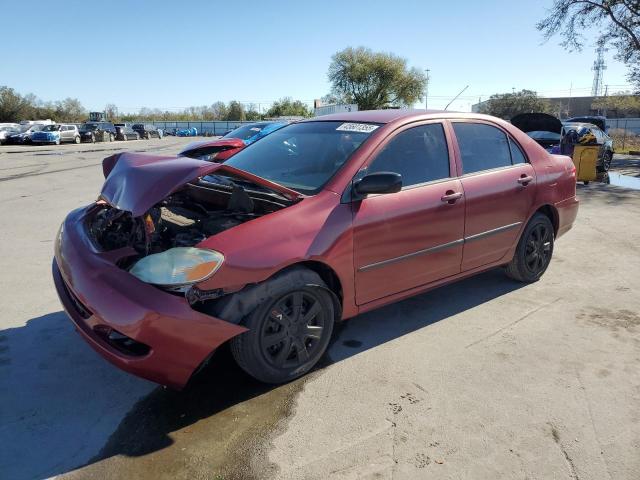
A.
pixel 519 147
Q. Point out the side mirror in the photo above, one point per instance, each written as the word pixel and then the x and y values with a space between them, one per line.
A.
pixel 379 182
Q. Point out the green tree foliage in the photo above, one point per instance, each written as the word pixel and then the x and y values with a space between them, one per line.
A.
pixel 618 23
pixel 374 80
pixel 15 107
pixel 508 105
pixel 235 111
pixel 620 103
pixel 287 107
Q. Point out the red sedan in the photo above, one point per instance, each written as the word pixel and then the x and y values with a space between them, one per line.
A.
pixel 317 222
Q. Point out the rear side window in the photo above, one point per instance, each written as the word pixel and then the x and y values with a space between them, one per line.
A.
pixel 419 154
pixel 516 154
pixel 482 147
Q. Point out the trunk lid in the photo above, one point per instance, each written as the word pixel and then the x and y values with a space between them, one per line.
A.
pixel 136 182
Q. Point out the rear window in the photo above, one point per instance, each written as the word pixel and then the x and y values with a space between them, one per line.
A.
pixel 245 132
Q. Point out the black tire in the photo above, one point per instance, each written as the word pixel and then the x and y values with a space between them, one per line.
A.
pixel 534 250
pixel 289 330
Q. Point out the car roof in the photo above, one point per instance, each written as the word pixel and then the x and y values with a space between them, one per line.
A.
pixel 391 115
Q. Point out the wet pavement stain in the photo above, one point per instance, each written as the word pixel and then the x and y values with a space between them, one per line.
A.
pixel 218 427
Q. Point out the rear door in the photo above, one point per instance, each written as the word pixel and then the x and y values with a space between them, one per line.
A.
pixel 413 237
pixel 499 187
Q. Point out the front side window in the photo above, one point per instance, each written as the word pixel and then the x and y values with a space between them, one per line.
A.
pixel 482 147
pixel 303 156
pixel 419 154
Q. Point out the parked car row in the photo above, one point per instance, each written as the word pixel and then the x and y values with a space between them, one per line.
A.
pixel 88 132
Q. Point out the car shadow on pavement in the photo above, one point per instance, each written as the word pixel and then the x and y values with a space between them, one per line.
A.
pixel 60 392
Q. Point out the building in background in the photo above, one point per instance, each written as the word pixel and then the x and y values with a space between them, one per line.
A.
pixel 567 107
pixel 320 109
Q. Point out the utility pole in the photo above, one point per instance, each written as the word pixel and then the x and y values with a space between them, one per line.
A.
pixel 426 91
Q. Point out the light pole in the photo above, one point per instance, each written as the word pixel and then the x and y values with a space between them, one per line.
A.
pixel 426 91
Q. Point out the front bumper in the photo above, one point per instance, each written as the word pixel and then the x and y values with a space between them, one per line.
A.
pixel 98 295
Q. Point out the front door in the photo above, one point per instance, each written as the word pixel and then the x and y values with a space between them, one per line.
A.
pixel 413 237
pixel 499 187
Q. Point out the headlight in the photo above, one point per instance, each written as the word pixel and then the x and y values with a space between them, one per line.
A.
pixel 178 266
pixel 209 156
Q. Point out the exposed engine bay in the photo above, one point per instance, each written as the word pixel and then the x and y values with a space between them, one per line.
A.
pixel 200 209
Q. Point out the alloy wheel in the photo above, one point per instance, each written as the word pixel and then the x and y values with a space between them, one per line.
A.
pixel 292 333
pixel 538 249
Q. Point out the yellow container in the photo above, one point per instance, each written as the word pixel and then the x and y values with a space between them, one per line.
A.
pixel 585 159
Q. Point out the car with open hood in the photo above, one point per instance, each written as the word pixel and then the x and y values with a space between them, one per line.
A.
pixel 231 143
pixel 317 222
pixel 545 129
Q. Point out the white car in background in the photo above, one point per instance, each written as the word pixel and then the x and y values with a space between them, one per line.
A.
pixel 7 129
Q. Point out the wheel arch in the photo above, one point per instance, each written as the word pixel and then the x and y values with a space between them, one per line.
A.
pixel 552 214
pixel 234 307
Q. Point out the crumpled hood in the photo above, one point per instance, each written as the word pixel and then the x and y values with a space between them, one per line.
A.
pixel 136 182
pixel 537 122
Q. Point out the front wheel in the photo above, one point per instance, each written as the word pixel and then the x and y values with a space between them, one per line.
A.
pixel 76 140
pixel 57 141
pixel 111 137
pixel 289 331
pixel 534 250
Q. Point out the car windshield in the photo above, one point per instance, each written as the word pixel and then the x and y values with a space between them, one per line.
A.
pixel 89 126
pixel 51 128
pixel 303 156
pixel 245 132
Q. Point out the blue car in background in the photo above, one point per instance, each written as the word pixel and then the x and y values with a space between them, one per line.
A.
pixel 254 131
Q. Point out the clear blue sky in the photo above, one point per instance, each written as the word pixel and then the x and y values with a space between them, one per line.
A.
pixel 173 54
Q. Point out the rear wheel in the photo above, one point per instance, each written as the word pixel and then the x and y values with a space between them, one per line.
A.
pixel 534 250
pixel 111 137
pixel 76 140
pixel 289 331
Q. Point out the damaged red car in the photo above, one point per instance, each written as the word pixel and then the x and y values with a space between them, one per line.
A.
pixel 317 222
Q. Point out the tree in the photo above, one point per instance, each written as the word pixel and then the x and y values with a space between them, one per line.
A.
pixel 508 105
pixel 13 107
pixel 111 110
pixel 620 103
pixel 235 111
pixel 252 114
pixel 374 80
pixel 617 22
pixel 287 107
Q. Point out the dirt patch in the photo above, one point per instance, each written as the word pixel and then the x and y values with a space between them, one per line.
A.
pixel 611 319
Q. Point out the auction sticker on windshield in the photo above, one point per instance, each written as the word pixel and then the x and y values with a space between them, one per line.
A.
pixel 357 127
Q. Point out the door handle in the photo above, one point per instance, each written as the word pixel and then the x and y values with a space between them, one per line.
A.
pixel 525 179
pixel 450 197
